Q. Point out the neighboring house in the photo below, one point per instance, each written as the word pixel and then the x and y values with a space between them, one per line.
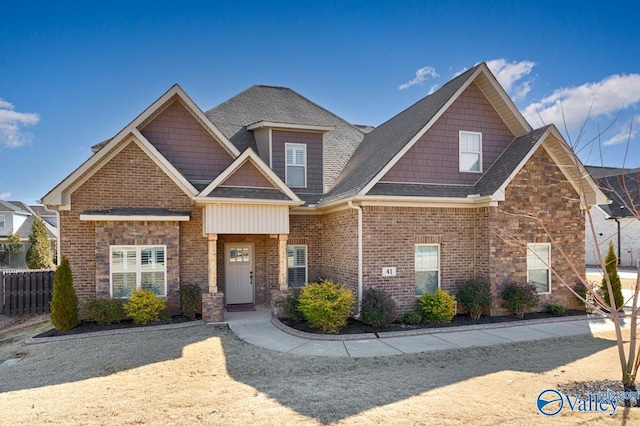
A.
pixel 268 191
pixel 618 221
pixel 17 218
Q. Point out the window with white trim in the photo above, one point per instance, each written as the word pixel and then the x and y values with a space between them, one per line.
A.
pixel 138 267
pixel 296 266
pixel 538 270
pixel 427 268
pixel 296 165
pixel 2 221
pixel 471 152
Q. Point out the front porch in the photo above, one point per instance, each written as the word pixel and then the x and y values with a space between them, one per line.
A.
pixel 244 269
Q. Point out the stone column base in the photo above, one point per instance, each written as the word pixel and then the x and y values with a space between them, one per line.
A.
pixel 277 303
pixel 213 307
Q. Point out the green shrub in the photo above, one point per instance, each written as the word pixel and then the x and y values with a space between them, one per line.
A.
pixel 581 290
pixel 326 305
pixel 519 298
pixel 556 310
pixel 438 307
pixel 474 296
pixel 291 305
pixel 190 296
pixel 103 311
pixel 378 308
pixel 39 255
pixel 410 318
pixel 64 302
pixel 611 269
pixel 144 306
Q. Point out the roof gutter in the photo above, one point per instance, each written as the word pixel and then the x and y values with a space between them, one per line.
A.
pixel 359 209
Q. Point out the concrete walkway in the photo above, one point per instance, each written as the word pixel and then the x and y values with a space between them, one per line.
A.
pixel 258 329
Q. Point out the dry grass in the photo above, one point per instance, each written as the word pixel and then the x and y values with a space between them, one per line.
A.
pixel 205 375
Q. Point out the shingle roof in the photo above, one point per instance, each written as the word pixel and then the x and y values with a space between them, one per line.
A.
pixel 624 192
pixel 252 193
pixel 488 184
pixel 14 207
pixel 383 143
pixel 283 105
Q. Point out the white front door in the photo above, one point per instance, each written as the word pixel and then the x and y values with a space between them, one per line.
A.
pixel 239 273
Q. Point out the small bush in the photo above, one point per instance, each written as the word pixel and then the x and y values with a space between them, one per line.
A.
pixel 64 302
pixel 438 307
pixel 144 306
pixel 475 296
pixel 190 297
pixel 581 290
pixel 556 310
pixel 378 308
pixel 410 318
pixel 326 305
pixel 103 311
pixel 519 298
pixel 291 305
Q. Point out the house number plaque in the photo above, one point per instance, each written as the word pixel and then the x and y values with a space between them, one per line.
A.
pixel 389 271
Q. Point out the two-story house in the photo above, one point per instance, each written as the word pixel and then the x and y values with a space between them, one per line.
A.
pixel 17 218
pixel 268 191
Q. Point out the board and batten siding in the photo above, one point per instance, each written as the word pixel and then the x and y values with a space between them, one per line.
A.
pixel 246 219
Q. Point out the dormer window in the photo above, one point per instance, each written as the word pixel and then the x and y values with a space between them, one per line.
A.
pixel 471 152
pixel 296 165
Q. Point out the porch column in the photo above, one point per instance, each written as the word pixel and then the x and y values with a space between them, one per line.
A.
pixel 282 261
pixel 213 263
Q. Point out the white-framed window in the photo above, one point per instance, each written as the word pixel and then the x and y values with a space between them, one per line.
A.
pixel 427 268
pixel 296 165
pixel 470 152
pixel 538 271
pixel 2 221
pixel 296 265
pixel 138 267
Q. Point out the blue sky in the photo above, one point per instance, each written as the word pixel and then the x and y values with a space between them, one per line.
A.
pixel 73 74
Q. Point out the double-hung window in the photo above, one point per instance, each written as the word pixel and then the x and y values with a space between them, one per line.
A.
pixel 138 267
pixel 427 268
pixel 470 152
pixel 538 270
pixel 2 221
pixel 296 165
pixel 296 266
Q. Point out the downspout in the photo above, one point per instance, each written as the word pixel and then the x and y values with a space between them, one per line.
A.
pixel 359 209
pixel 619 249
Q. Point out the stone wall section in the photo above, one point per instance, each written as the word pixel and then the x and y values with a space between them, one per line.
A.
pixel 541 207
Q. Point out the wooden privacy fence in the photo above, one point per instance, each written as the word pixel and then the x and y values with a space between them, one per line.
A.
pixel 25 291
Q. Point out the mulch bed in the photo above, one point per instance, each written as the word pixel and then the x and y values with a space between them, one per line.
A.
pixel 356 327
pixel 91 326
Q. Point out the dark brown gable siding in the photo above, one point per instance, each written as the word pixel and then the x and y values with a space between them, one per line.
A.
pixel 186 144
pixel 248 176
pixel 314 157
pixel 434 157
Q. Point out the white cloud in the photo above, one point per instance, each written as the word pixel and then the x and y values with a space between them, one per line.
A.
pixel 624 133
pixel 5 195
pixel 421 75
pixel 11 123
pixel 510 75
pixel 574 105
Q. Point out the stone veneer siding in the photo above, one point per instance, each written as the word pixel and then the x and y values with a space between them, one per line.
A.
pixel 128 180
pixel 540 190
